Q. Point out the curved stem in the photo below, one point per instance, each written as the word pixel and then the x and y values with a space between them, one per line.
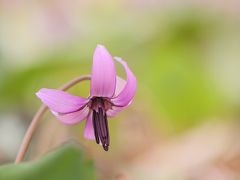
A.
pixel 29 134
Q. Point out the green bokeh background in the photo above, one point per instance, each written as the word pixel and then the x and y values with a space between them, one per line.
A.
pixel 173 52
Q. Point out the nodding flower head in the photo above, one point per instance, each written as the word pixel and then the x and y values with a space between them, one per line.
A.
pixel 109 94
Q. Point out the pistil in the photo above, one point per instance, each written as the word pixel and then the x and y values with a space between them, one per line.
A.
pixel 100 122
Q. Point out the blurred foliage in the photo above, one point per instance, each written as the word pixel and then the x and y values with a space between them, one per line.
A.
pixel 174 51
pixel 175 72
pixel 169 64
pixel 67 162
pixel 19 86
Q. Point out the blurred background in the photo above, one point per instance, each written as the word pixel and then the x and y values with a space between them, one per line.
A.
pixel 184 120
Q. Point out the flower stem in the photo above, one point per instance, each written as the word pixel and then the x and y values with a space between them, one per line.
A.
pixel 29 134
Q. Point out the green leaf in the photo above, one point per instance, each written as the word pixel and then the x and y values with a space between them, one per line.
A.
pixel 67 162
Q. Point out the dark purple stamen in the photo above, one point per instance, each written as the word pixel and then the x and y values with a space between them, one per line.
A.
pixel 100 123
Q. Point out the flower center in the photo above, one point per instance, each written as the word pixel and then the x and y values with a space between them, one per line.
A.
pixel 99 107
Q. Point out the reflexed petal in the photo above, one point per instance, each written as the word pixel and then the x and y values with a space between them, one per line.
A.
pixel 120 83
pixel 89 131
pixel 126 95
pixel 60 101
pixel 103 80
pixel 72 118
pixel 115 110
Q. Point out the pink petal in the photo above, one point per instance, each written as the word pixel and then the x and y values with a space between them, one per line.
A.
pixel 89 131
pixel 72 118
pixel 126 95
pixel 120 84
pixel 60 101
pixel 103 80
pixel 115 110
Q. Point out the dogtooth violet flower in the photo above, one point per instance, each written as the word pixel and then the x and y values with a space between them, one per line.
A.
pixel 109 94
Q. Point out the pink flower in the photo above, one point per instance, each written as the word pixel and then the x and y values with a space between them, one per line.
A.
pixel 109 94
